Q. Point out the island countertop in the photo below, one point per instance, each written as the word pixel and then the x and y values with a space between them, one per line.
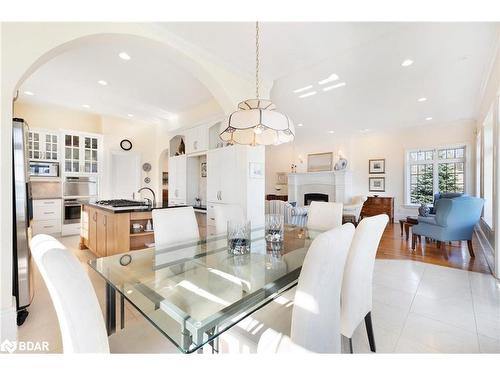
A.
pixel 128 209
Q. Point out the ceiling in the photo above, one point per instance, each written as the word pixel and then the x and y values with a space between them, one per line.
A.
pixel 149 86
pixel 451 60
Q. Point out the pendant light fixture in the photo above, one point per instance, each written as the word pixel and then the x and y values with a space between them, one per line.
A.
pixel 256 122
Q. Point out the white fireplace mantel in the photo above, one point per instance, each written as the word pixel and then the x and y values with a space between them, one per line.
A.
pixel 337 184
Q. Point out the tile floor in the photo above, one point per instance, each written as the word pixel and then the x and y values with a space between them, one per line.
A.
pixel 417 308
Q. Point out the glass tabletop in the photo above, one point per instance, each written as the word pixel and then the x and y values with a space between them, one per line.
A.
pixel 192 292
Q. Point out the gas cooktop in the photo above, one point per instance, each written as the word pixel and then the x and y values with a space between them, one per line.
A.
pixel 121 203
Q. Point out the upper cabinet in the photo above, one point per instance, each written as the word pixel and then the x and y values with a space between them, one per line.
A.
pixel 81 153
pixel 196 140
pixel 43 145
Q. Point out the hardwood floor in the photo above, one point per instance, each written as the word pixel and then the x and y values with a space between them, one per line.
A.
pixel 394 246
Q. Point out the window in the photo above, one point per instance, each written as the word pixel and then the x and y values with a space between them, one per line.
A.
pixel 488 169
pixel 434 170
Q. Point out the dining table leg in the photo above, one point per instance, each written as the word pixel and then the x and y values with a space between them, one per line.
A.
pixel 110 309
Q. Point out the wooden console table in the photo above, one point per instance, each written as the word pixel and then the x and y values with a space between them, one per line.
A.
pixel 379 205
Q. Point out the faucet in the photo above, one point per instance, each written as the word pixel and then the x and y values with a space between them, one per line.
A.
pixel 152 192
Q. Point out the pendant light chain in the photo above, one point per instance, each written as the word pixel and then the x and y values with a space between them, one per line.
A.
pixel 257 59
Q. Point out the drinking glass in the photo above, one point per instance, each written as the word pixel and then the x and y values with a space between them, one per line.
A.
pixel 238 237
pixel 274 228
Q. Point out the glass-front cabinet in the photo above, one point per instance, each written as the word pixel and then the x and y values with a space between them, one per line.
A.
pixel 81 153
pixel 42 145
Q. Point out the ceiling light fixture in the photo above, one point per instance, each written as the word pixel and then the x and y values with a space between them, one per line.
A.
pixel 407 62
pixel 308 94
pixel 328 88
pixel 29 93
pixel 302 89
pixel 102 82
pixel 300 125
pixel 256 122
pixel 85 106
pixel 428 118
pixel 331 131
pixel 332 77
pixel 124 56
pixel 421 99
pixel 130 115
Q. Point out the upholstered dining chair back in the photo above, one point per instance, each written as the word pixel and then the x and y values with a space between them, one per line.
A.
pixel 357 284
pixel 324 215
pixel 224 213
pixel 78 311
pixel 316 309
pixel 174 225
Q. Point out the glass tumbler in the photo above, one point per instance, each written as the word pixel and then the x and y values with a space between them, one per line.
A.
pixel 274 228
pixel 238 237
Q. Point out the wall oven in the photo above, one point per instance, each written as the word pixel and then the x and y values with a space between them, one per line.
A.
pixel 72 211
pixel 80 186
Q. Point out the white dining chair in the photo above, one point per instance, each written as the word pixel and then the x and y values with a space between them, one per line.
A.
pixel 175 225
pixel 224 213
pixel 77 308
pixel 356 300
pixel 310 313
pixel 324 215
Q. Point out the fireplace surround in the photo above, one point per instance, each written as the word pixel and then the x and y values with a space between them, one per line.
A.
pixel 314 197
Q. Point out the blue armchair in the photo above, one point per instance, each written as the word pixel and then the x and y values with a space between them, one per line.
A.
pixel 438 196
pixel 454 221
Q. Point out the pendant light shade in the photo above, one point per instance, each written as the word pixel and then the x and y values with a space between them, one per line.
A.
pixel 257 123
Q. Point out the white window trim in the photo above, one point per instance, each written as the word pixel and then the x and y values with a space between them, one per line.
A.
pixel 467 166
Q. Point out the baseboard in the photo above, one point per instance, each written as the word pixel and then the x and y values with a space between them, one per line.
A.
pixel 8 322
pixel 487 249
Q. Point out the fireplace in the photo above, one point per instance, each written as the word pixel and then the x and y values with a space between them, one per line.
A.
pixel 314 197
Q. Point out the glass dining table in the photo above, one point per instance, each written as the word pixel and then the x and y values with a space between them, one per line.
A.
pixel 192 292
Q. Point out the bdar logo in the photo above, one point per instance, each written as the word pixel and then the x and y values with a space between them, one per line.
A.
pixel 8 346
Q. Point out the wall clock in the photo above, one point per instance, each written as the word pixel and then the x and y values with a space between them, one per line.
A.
pixel 126 145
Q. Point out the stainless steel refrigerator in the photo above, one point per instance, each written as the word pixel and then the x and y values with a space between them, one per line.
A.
pixel 23 213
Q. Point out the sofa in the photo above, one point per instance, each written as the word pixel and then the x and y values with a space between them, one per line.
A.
pixel 292 215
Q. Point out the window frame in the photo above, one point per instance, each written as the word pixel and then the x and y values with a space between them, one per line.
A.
pixel 435 162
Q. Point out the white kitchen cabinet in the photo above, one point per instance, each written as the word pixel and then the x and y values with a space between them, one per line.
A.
pixel 81 153
pixel 47 216
pixel 222 175
pixel 196 139
pixel 43 145
pixel 177 182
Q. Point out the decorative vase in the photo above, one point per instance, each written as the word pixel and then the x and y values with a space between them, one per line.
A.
pixel 182 147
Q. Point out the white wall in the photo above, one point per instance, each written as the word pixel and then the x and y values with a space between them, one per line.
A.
pixel 359 148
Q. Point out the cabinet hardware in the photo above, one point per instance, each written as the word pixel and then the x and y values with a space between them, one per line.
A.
pixel 195 145
pixel 49 212
pixel 48 226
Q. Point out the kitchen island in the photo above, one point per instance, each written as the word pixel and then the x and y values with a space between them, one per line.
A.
pixel 107 230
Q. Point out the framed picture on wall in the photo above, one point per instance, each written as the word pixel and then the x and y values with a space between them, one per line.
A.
pixel 320 162
pixel 203 169
pixel 376 184
pixel 256 170
pixel 376 166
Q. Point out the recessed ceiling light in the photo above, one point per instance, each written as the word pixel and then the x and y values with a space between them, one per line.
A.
pixel 332 77
pixel 422 99
pixel 331 131
pixel 334 86
pixel 29 93
pixel 308 94
pixel 300 125
pixel 102 82
pixel 428 118
pixel 124 56
pixel 173 117
pixel 130 115
pixel 364 130
pixel 407 62
pixel 302 89
pixel 85 106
